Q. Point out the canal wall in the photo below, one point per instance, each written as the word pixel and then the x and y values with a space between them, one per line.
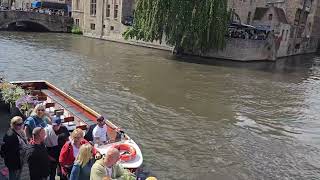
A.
pixel 236 48
pixel 242 50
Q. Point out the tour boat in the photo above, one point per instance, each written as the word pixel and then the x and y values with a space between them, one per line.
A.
pixel 74 115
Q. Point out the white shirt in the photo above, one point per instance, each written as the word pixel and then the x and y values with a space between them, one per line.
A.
pixel 51 139
pixel 101 133
pixel 109 171
pixel 75 151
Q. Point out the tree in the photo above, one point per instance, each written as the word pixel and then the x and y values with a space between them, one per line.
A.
pixel 193 25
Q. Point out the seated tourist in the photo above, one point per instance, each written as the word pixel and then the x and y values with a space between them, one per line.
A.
pixel 99 133
pixel 109 168
pixel 57 135
pixel 38 118
pixel 83 163
pixel 70 151
pixel 37 156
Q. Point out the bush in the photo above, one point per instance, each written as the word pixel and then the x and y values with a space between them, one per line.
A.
pixel 76 30
pixel 11 93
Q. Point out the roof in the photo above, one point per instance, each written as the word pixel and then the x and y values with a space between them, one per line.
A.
pixel 261 11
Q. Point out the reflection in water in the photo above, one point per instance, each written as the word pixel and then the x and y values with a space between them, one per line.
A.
pixel 225 120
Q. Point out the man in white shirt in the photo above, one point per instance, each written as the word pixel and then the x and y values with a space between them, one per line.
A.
pixel 99 133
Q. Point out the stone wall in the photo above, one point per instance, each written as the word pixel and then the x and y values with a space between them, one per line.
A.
pixel 50 22
pixel 242 50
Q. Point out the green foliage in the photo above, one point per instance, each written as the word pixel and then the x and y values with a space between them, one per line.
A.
pixel 194 25
pixel 10 92
pixel 76 30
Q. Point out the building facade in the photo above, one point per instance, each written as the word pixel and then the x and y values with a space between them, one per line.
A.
pixel 295 24
pixel 102 19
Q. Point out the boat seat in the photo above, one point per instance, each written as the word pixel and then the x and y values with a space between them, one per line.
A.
pixel 59 112
pixel 71 109
pixel 68 119
pixel 83 127
pixel 49 105
pixel 42 98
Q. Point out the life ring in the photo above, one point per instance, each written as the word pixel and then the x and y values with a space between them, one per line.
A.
pixel 129 151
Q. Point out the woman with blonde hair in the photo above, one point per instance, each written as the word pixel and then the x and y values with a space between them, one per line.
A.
pixel 38 118
pixel 70 151
pixel 14 148
pixel 83 163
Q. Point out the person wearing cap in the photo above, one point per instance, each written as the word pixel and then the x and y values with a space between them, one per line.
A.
pixel 99 133
pixel 37 156
pixel 57 135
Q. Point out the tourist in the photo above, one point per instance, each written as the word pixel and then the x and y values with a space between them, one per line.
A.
pixel 99 133
pixel 108 167
pixel 57 135
pixel 38 158
pixel 83 163
pixel 14 148
pixel 70 151
pixel 38 118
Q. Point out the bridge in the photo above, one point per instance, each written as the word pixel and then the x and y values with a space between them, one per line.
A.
pixel 34 21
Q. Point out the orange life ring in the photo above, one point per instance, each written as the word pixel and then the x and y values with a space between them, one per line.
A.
pixel 130 152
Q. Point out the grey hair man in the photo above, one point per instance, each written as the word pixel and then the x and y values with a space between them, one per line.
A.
pixel 108 167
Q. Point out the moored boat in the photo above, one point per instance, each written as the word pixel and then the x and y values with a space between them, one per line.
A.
pixel 74 115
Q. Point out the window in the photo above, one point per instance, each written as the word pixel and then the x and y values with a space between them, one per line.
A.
pixel 282 33
pixel 115 11
pixel 104 26
pixel 77 22
pixel 108 10
pixel 93 7
pixel 270 17
pixel 111 28
pixel 92 26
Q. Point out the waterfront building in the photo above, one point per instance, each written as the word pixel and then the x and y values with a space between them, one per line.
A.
pixel 105 19
pixel 295 25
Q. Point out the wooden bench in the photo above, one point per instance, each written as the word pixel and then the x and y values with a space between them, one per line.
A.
pixel 59 112
pixel 49 105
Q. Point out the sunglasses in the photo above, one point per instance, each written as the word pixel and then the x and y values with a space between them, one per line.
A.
pixel 19 124
pixel 41 110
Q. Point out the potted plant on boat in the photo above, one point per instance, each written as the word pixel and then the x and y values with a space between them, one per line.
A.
pixel 10 94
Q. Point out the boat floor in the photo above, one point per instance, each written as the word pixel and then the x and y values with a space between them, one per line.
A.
pixel 68 107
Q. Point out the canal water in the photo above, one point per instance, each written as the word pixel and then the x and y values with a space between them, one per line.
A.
pixel 225 121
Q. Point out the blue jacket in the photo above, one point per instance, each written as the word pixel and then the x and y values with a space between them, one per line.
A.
pixel 81 173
